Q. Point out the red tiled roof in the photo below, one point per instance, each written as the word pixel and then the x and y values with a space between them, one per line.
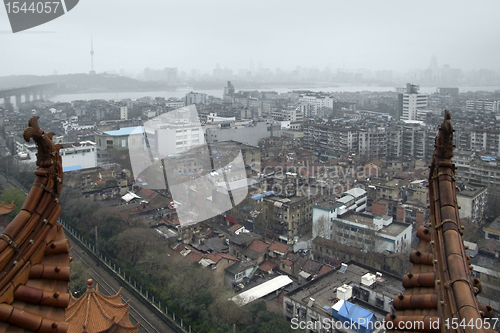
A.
pixel 215 257
pixel 258 246
pixel 311 266
pixel 324 269
pixel 293 257
pixel 235 227
pixel 287 262
pixel 147 194
pixel 34 252
pixel 267 266
pixel 280 247
pixel 490 246
pixel 94 312
pixel 230 257
pixel 378 162
pixel 195 256
pixel 144 192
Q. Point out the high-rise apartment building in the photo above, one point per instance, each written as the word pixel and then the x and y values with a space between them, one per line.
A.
pixel 195 98
pixel 288 114
pixel 486 140
pixel 418 140
pixel 410 101
pixel 372 142
pixel 330 139
pixel 483 105
pixel 123 113
pixel 311 103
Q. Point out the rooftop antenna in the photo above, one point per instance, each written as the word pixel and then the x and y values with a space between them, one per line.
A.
pixel 92 72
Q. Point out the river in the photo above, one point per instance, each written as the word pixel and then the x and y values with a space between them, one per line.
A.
pixel 218 92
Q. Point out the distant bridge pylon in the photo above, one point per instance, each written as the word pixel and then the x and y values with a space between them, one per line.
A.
pixel 27 94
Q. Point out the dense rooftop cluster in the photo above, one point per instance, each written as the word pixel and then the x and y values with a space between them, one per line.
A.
pixel 332 178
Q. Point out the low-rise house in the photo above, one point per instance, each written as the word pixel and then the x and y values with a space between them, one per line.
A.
pixel 267 267
pixel 490 247
pixel 292 265
pixel 122 139
pixel 220 261
pixel 310 270
pixel 238 243
pixel 472 201
pixel 239 273
pixel 417 191
pixel 217 244
pixel 492 231
pixel 278 250
pixel 382 207
pixel 256 251
pixel 374 168
pixel 237 229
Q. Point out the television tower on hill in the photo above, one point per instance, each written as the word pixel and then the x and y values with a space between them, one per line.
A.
pixel 92 71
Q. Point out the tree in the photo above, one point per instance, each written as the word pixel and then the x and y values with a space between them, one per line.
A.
pixel 321 228
pixel 133 243
pixel 111 225
pixel 79 276
pixel 16 195
pixel 263 321
pixel 224 308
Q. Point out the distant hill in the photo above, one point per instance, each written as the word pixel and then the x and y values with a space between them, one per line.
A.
pixel 74 83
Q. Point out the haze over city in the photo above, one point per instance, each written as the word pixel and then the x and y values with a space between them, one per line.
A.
pixel 376 35
pixel 253 167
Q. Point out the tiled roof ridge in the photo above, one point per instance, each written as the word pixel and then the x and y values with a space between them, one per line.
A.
pixel 109 301
pixel 73 308
pixel 101 309
pixel 440 286
pixel 112 313
pixel 34 253
pixel 116 297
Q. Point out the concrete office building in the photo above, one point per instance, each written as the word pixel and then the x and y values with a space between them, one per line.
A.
pixel 410 101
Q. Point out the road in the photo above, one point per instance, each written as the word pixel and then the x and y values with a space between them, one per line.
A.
pixel 108 285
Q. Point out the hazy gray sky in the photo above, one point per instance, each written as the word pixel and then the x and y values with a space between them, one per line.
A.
pixel 198 34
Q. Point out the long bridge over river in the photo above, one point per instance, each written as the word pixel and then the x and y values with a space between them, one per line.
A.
pixel 27 93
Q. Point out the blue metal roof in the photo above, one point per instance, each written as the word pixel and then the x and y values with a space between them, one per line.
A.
pixel 72 168
pixel 257 196
pixel 349 312
pixel 488 158
pixel 126 131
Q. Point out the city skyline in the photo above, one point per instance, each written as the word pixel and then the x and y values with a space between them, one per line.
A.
pixel 376 36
